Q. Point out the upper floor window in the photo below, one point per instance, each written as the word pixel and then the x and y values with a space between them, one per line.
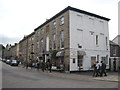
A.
pixel 106 40
pixel 61 20
pixel 54 25
pixel 41 45
pixel 54 42
pixel 96 39
pixel 62 39
pixel 42 31
pixel 38 33
pixel 47 28
pixel 91 22
pixel 37 44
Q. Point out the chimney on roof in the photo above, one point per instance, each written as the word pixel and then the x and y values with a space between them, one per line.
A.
pixel 47 19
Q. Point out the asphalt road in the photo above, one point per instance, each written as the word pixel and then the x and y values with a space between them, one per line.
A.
pixel 18 77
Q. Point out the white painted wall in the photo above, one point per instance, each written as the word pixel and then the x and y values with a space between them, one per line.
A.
pixel 81 27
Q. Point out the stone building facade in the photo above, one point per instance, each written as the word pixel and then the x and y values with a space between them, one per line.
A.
pixel 26 48
pixel 53 36
pixel 23 49
pixel 30 51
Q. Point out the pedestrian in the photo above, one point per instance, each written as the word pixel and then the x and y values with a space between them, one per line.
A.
pixel 94 69
pixel 38 65
pixel 47 66
pixel 26 64
pixel 103 69
pixel 43 66
pixel 97 69
pixel 31 63
pixel 50 66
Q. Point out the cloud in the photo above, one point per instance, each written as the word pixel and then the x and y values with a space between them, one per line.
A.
pixel 8 40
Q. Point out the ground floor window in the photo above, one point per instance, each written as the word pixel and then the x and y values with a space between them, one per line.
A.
pixel 105 59
pixel 93 59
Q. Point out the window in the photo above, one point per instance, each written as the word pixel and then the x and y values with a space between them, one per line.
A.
pixel 54 25
pixel 106 40
pixel 97 57
pixel 61 20
pixel 47 43
pixel 47 28
pixel 42 31
pixel 91 22
pixel 38 33
pixel 93 59
pixel 41 47
pixel 62 39
pixel 105 59
pixel 37 44
pixel 96 39
pixel 54 42
pixel 73 60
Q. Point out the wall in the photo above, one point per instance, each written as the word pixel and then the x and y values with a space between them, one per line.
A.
pixel 83 31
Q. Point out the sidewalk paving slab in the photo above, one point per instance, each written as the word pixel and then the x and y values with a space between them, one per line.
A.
pixel 112 78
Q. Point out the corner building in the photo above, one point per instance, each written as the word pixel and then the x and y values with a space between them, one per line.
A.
pixel 73 38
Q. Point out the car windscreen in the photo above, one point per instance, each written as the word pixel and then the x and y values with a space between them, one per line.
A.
pixel 14 61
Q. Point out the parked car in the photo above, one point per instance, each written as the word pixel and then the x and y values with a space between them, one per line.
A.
pixel 14 63
pixel 8 61
pixel 4 60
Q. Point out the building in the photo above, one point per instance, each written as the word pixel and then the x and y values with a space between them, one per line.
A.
pixel 114 49
pixel 117 40
pixel 11 51
pixel 7 52
pixel 73 38
pixel 114 56
pixel 31 54
pixel 2 48
pixel 26 48
pixel 23 49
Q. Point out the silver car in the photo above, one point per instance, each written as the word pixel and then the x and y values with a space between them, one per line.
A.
pixel 14 63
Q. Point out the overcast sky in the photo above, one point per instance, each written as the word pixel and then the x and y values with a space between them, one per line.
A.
pixel 21 17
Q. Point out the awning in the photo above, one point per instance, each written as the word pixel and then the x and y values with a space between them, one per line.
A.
pixel 81 53
pixel 60 54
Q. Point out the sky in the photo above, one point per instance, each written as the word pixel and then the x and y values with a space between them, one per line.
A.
pixel 21 17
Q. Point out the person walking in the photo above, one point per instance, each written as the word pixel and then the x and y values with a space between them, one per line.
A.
pixel 50 66
pixel 97 69
pixel 43 66
pixel 103 69
pixel 94 69
pixel 38 65
pixel 26 64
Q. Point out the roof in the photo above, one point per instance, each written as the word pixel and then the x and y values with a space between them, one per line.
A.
pixel 27 36
pixel 112 43
pixel 118 36
pixel 73 9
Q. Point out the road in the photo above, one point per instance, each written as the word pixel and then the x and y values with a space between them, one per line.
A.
pixel 18 77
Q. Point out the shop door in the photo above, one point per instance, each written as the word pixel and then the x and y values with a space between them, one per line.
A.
pixel 80 62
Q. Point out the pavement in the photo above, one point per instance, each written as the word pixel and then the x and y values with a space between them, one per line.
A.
pixel 111 76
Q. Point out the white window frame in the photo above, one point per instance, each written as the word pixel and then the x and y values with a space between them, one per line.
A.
pixel 54 42
pixel 61 39
pixel 62 20
pixel 54 25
